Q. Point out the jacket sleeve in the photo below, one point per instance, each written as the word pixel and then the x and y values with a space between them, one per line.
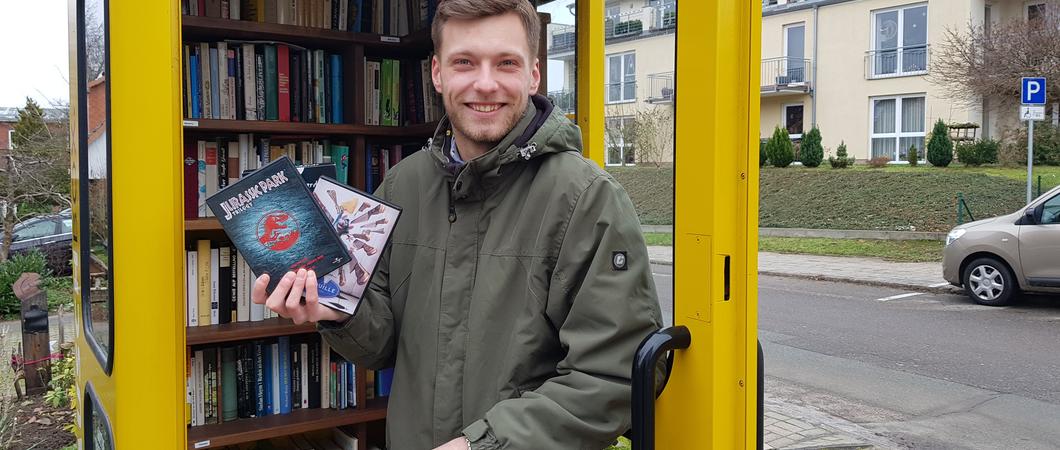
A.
pixel 612 306
pixel 368 337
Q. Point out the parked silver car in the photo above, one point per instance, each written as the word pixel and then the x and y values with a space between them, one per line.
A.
pixel 997 257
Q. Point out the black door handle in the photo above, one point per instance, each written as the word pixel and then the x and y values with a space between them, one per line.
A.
pixel 644 389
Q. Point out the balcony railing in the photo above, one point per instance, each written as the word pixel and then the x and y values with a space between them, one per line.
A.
pixel 561 38
pixel 642 21
pixel 784 74
pixel 564 100
pixel 661 87
pixel 896 62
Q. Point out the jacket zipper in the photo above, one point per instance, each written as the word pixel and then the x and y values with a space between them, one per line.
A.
pixel 452 207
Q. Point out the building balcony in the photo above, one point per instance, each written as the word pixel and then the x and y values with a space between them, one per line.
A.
pixel 633 24
pixel 786 76
pixel 897 62
pixel 565 100
pixel 660 87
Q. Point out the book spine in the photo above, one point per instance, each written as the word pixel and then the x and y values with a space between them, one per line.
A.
pixel 260 373
pixel 197 389
pixel 314 372
pixel 336 88
pixel 321 98
pixel 274 378
pixel 189 392
pixel 250 88
pixel 272 110
pixel 192 287
pixel 203 258
pixel 242 304
pixel 304 370
pixel 196 85
pixel 229 406
pixel 222 79
pixel 259 86
pixel 283 366
pixel 241 382
pixel 226 287
pixel 210 174
pixel 215 86
pixel 325 374
pixel 205 80
pixel 283 82
pixel 191 180
pixel 296 375
pixel 236 66
pixel 384 92
pixel 214 286
pixel 296 85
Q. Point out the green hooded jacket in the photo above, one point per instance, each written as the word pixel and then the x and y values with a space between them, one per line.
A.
pixel 512 297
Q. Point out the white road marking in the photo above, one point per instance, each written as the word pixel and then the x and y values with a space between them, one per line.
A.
pixel 896 297
pixel 662 274
pixel 938 285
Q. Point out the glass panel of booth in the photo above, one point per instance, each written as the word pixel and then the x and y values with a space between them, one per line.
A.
pixel 95 187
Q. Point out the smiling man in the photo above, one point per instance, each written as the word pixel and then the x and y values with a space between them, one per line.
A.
pixel 517 285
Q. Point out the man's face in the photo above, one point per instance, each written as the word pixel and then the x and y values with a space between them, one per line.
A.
pixel 485 74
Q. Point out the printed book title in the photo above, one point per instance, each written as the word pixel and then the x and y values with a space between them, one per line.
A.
pixel 244 200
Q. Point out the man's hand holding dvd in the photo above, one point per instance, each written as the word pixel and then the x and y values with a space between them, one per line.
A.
pixel 288 235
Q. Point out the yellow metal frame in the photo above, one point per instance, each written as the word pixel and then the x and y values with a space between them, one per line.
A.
pixel 710 400
pixel 144 394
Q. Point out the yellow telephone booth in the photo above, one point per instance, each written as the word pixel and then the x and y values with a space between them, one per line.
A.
pixel 137 135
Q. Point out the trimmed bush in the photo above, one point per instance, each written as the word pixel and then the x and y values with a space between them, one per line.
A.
pixel 13 268
pixel 974 154
pixel 840 161
pixel 940 147
pixel 779 150
pixel 812 153
pixel 912 156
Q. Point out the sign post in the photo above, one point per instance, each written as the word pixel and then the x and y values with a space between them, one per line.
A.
pixel 1032 96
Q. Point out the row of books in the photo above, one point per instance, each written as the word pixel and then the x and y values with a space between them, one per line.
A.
pixel 341 438
pixel 262 81
pixel 381 157
pixel 389 17
pixel 218 287
pixel 211 165
pixel 267 377
pixel 400 92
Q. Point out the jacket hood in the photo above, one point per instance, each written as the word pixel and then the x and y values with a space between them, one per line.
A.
pixel 542 130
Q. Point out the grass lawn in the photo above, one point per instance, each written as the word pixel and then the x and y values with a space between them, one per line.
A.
pixel 659 238
pixel 905 251
pixel 1050 174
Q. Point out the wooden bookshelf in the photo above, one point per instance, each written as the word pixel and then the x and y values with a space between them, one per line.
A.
pixel 240 331
pixel 298 421
pixel 272 127
pixel 206 28
pixel 210 224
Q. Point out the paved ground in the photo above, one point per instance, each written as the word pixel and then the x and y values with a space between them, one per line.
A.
pixel 896 360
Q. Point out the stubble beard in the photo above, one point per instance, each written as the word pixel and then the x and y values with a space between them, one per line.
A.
pixel 485 134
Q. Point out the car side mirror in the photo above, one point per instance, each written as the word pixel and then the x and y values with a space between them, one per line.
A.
pixel 1030 216
pixel 14 238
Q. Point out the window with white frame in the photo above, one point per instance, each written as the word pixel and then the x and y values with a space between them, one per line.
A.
pixel 1034 11
pixel 793 120
pixel 620 149
pixel 10 139
pixel 898 123
pixel 622 77
pixel 899 41
pixel 795 52
pixel 612 10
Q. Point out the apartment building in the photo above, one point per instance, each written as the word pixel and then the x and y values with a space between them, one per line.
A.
pixel 639 67
pixel 859 70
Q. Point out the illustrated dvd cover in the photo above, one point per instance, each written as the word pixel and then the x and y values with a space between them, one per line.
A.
pixel 364 224
pixel 273 220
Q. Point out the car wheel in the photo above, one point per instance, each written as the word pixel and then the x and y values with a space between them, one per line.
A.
pixel 989 282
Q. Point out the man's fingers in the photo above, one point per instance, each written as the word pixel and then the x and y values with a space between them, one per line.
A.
pixel 257 293
pixel 294 298
pixel 276 299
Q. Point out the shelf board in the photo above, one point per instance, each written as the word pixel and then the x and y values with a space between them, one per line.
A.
pixel 245 330
pixel 298 421
pixel 273 127
pixel 209 224
pixel 206 28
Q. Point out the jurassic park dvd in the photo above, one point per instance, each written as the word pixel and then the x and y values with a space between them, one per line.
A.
pixel 273 220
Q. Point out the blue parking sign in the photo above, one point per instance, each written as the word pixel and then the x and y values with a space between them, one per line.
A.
pixel 1032 91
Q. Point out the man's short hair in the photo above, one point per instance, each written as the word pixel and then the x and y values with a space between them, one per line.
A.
pixel 476 9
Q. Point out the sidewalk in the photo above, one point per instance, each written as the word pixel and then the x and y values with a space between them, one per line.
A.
pixel 922 276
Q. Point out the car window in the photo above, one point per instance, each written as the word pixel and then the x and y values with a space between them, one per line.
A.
pixel 68 226
pixel 37 229
pixel 1051 211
